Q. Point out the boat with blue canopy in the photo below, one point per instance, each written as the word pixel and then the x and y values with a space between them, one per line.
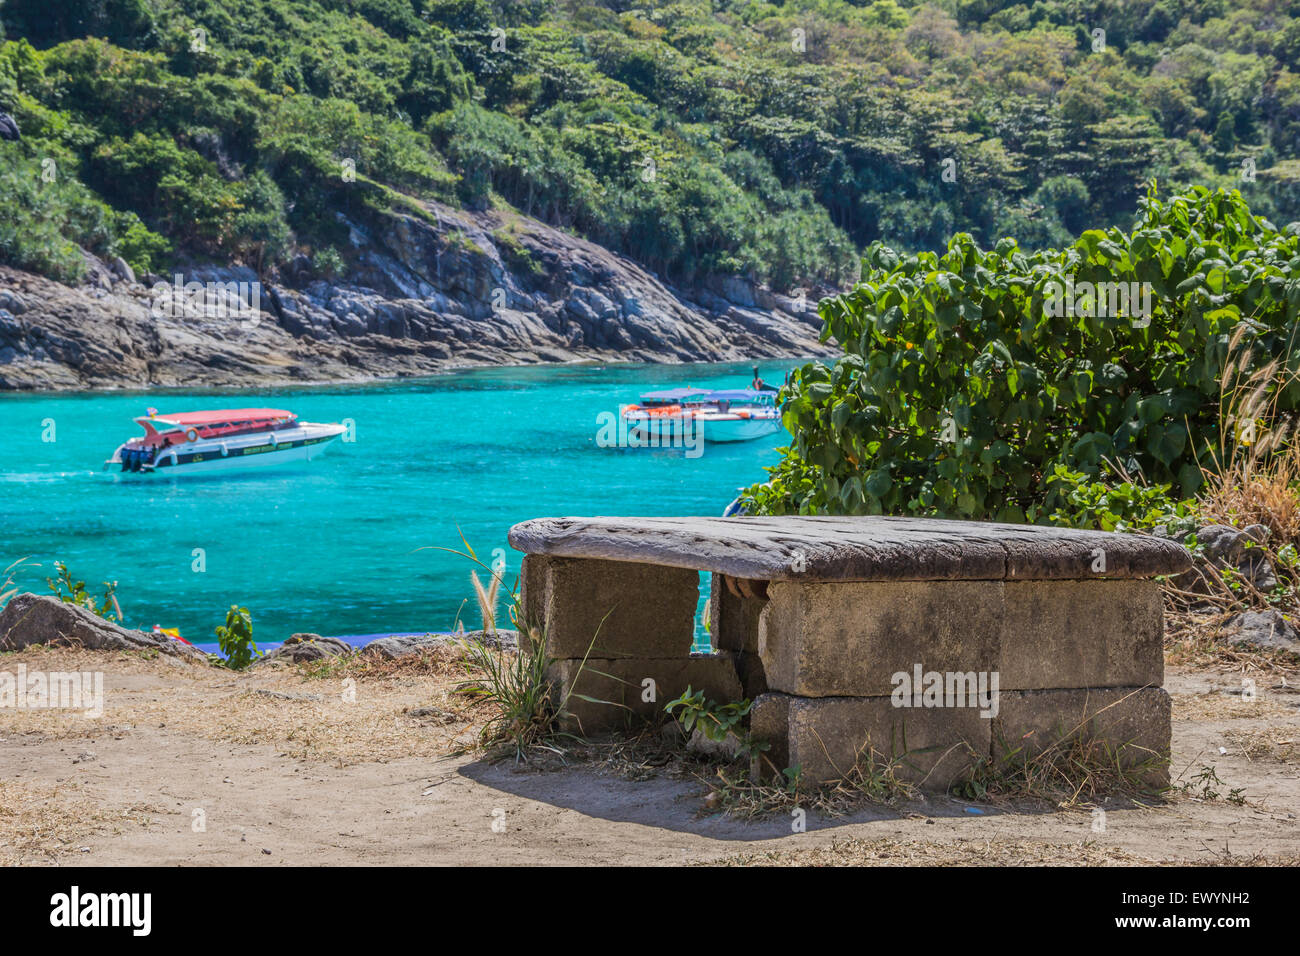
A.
pixel 717 415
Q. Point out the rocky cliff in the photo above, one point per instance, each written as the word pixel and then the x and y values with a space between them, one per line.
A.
pixel 423 292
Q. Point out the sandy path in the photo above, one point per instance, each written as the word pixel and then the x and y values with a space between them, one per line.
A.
pixel 124 790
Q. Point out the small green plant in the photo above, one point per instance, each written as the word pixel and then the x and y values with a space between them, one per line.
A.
pixel 74 592
pixel 716 721
pixel 236 639
pixel 516 254
pixel 1204 786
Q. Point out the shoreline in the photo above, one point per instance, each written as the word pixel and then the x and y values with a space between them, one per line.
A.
pixel 452 368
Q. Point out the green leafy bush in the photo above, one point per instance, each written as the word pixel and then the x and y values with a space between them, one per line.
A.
pixel 962 390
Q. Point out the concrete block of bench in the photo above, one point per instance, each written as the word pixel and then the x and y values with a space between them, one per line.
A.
pixel 850 638
pixel 733 617
pixel 621 685
pixel 753 677
pixel 932 747
pixel 1064 634
pixel 1133 722
pixel 629 609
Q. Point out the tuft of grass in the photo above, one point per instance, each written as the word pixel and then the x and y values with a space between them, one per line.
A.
pixel 1076 770
pixel 1252 478
pixel 516 685
pixel 1257 489
pixel 1254 475
pixel 750 792
pixel 487 601
pixel 7 587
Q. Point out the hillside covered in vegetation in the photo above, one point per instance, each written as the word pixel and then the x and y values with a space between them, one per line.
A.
pixel 700 138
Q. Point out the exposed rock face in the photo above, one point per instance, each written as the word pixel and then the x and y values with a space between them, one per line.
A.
pixel 428 293
pixel 34 619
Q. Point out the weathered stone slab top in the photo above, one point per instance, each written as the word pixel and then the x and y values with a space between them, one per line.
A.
pixel 855 548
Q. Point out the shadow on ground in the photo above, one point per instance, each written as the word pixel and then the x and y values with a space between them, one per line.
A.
pixel 676 804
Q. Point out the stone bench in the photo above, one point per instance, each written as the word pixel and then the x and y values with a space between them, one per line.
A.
pixel 825 622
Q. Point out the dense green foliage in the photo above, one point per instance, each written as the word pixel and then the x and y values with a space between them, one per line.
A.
pixel 726 136
pixel 962 392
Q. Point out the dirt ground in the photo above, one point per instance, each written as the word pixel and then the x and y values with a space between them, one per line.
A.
pixel 198 765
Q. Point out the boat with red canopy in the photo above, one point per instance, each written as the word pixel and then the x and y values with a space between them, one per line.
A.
pixel 221 439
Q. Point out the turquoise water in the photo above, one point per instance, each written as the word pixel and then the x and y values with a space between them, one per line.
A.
pixel 345 545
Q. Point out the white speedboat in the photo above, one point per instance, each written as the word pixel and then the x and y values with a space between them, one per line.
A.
pixel 716 416
pixel 221 440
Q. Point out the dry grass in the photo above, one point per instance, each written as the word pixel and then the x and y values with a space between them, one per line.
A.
pixel 1215 707
pixel 1253 478
pixel 976 853
pixel 343 713
pixel 1195 637
pixel 1076 771
pixel 1279 742
pixel 42 824
pixel 873 780
pixel 1257 490
pixel 1257 466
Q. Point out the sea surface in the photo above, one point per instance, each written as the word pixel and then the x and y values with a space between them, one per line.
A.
pixel 348 544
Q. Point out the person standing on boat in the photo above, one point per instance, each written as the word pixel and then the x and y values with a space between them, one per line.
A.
pixel 759 385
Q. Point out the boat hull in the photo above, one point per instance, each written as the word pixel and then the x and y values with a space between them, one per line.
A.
pixel 742 429
pixel 204 457
pixel 712 428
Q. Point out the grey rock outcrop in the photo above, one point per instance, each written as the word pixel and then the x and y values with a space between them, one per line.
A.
pixel 405 645
pixel 424 293
pixel 35 619
pixel 307 647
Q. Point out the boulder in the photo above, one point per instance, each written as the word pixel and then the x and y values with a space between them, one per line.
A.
pixel 1267 630
pixel 122 269
pixel 307 647
pixel 728 748
pixel 404 645
pixel 9 128
pixel 35 619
